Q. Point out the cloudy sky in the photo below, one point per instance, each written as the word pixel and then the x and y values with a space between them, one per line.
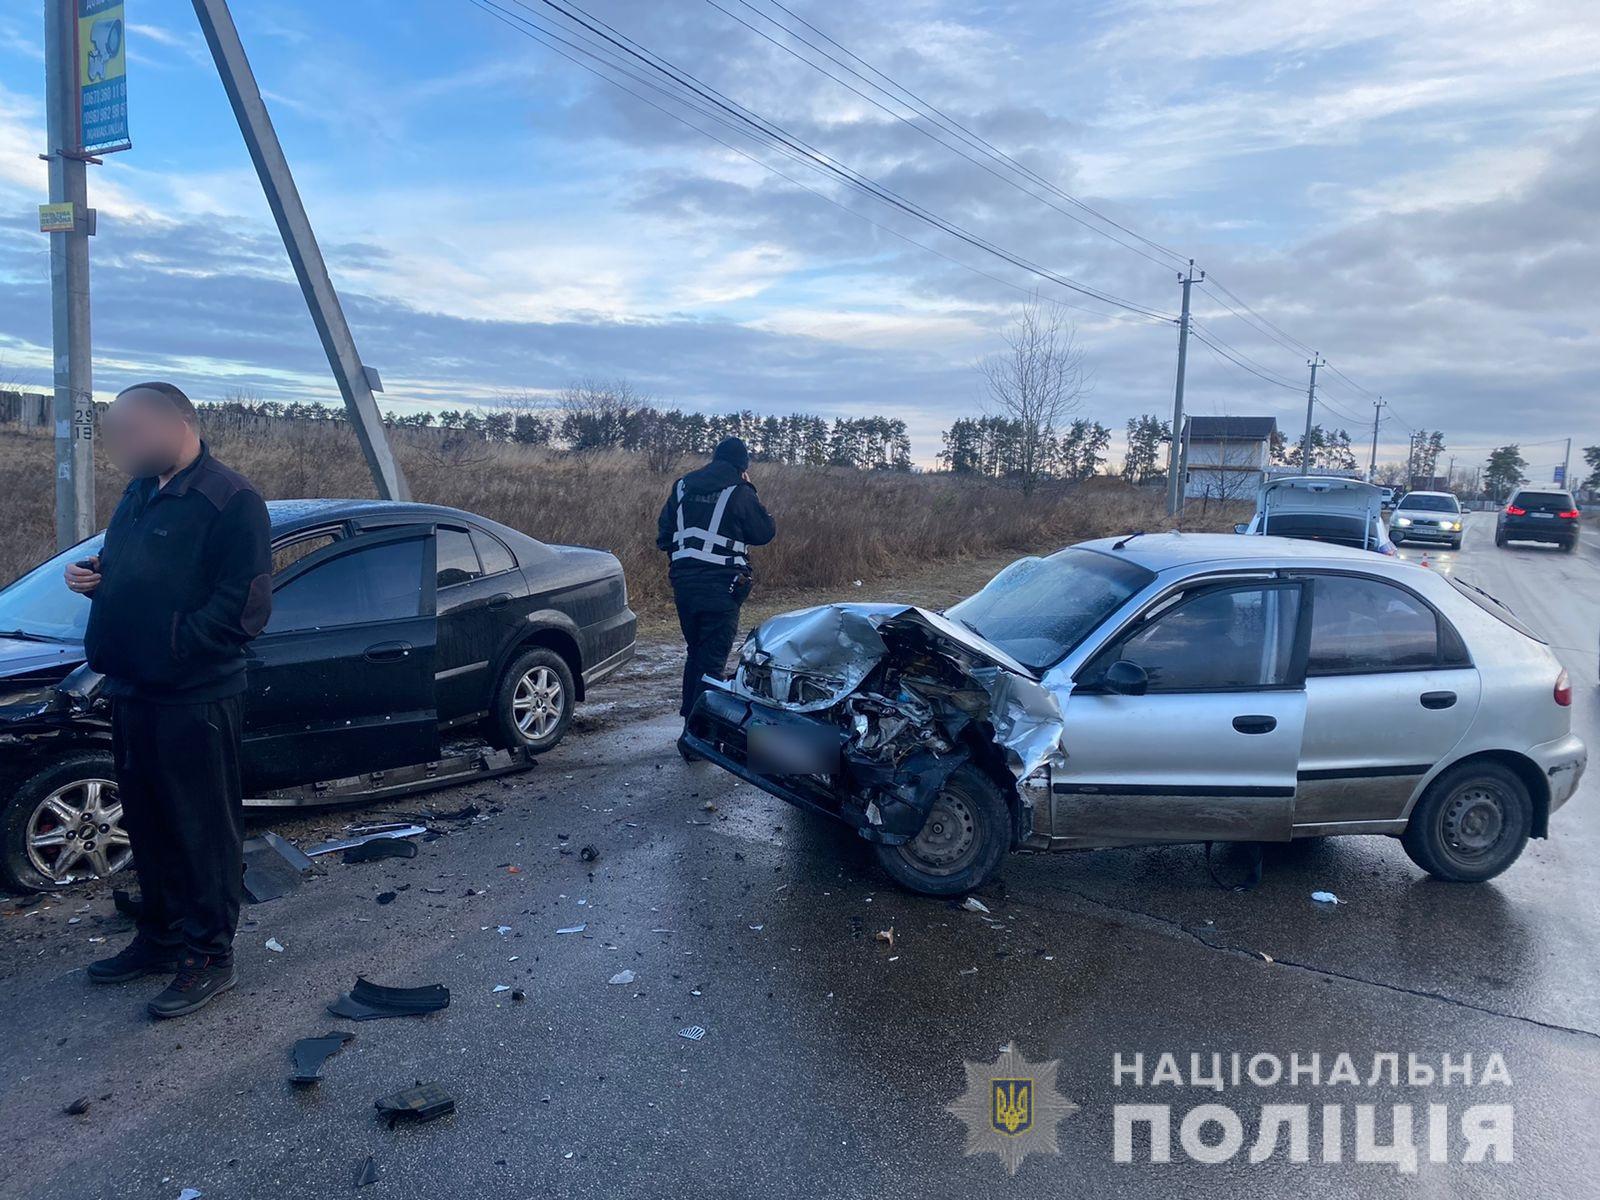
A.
pixel 1409 189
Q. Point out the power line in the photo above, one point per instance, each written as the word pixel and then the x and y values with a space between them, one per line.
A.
pixel 1243 366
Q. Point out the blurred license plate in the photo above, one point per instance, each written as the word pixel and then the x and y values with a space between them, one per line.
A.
pixel 1546 516
pixel 793 749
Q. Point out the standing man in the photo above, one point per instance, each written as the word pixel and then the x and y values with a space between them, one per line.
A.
pixel 710 520
pixel 183 582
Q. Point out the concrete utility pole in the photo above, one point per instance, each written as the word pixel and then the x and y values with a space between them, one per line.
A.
pixel 1566 467
pixel 1311 404
pixel 74 415
pixel 1377 415
pixel 356 381
pixel 1175 458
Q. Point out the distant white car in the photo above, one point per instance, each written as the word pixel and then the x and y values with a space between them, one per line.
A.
pixel 1427 517
pixel 1321 508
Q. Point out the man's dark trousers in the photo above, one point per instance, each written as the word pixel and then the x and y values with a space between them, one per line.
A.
pixel 178 780
pixel 708 614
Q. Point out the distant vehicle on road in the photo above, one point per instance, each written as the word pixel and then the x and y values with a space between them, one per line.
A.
pixel 1388 494
pixel 394 626
pixel 1427 517
pixel 1320 508
pixel 1539 515
pixel 1165 688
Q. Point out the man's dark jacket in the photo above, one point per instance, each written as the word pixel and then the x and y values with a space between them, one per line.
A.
pixel 744 519
pixel 186 581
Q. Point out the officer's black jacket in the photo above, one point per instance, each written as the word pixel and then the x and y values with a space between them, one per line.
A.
pixel 744 519
pixel 186 581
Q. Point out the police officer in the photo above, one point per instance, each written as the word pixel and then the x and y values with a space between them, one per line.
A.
pixel 182 583
pixel 710 520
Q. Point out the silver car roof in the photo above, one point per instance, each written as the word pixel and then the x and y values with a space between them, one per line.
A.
pixel 1161 552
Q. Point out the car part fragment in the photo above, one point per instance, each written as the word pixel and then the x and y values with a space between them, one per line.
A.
pixel 309 1055
pixel 272 868
pixel 368 1001
pixel 424 1102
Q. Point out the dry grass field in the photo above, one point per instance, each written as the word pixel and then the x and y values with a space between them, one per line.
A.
pixel 834 526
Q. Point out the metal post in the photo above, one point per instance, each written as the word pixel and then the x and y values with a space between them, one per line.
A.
pixel 356 382
pixel 1566 467
pixel 69 281
pixel 1377 413
pixel 1175 463
pixel 1311 404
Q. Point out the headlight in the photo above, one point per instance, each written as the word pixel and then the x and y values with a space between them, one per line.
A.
pixel 1455 526
pixel 1402 520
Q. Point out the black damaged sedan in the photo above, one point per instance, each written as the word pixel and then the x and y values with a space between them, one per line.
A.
pixel 403 637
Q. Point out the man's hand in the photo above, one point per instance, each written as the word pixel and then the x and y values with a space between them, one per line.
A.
pixel 84 576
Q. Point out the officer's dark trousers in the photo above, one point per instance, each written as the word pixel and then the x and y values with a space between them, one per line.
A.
pixel 178 780
pixel 708 614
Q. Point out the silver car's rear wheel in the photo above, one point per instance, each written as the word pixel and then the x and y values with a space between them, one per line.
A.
pixel 1472 823
pixel 966 834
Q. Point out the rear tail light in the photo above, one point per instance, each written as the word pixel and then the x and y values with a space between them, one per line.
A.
pixel 1564 689
pixel 1570 514
pixel 1513 511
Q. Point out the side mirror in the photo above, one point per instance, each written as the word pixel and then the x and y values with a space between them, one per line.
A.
pixel 1126 678
pixel 1241 528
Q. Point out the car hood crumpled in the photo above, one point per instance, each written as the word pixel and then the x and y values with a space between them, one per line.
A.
pixel 818 656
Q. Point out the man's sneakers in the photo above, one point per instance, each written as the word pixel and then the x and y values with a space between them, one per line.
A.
pixel 138 958
pixel 197 981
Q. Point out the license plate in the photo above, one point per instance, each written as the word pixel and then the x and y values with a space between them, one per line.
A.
pixel 1544 516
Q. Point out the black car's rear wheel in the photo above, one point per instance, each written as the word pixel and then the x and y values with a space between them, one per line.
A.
pixel 1472 823
pixel 960 845
pixel 63 823
pixel 533 701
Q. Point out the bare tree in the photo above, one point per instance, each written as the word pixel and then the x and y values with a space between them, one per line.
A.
pixel 1038 382
pixel 595 412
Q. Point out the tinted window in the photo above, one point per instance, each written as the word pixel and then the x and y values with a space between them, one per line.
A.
pixel 1039 608
pixel 1342 531
pixel 492 552
pixel 1544 501
pixel 290 553
pixel 1364 626
pixel 1430 503
pixel 379 583
pixel 1221 639
pixel 458 561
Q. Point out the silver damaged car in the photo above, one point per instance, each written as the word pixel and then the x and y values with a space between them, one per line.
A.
pixel 1161 688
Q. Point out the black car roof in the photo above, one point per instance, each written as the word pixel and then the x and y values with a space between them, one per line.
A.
pixel 289 516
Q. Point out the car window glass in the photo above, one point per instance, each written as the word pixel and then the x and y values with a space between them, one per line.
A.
pixel 1430 503
pixel 1363 625
pixel 458 561
pixel 1543 500
pixel 492 552
pixel 39 603
pixel 289 554
pixel 1320 527
pixel 378 583
pixel 1221 639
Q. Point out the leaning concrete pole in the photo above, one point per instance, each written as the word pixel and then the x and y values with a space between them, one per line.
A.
pixel 356 381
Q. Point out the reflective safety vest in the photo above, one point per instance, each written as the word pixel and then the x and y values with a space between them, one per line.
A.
pixel 709 544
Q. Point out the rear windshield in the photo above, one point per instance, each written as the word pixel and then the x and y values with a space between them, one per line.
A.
pixel 1491 605
pixel 1314 527
pixel 1039 608
pixel 1556 500
pixel 1431 503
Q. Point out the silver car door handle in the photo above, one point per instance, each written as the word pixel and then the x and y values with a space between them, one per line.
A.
pixel 1438 699
pixel 1255 724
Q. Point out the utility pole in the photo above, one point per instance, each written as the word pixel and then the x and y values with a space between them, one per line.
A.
pixel 357 382
pixel 74 415
pixel 1411 460
pixel 1566 466
pixel 1311 404
pixel 1175 458
pixel 1377 415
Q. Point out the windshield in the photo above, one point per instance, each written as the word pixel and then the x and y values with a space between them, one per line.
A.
pixel 1039 608
pixel 39 603
pixel 1316 527
pixel 1431 503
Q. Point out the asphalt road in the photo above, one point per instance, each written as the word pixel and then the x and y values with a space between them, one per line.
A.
pixel 829 1055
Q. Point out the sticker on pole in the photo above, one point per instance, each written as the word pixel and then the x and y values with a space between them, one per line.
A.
pixel 102 77
pixel 57 218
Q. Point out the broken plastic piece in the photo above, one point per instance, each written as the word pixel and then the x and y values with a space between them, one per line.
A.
pixel 78 1107
pixel 369 1001
pixel 694 1033
pixel 272 868
pixel 366 1173
pixel 367 834
pixel 886 935
pixel 1325 898
pixel 275 945
pixel 379 848
pixel 622 977
pixel 573 929
pixel 973 904
pixel 309 1054
pixel 425 1102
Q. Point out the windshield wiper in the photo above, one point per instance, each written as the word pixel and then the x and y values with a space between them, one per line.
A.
pixel 27 635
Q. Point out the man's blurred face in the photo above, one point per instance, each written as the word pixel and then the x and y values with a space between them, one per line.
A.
pixel 144 434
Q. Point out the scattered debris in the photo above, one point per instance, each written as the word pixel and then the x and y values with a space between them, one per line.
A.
pixel 385 897
pixel 424 1102
pixel 78 1107
pixel 973 904
pixel 272 868
pixel 309 1055
pixel 367 833
pixel 501 987
pixel 366 1173
pixel 1325 898
pixel 275 945
pixel 573 929
pixel 369 1001
pixel 190 1194
pixel 518 994
pixel 969 971
pixel 466 813
pixel 709 807
pixel 622 977
pixel 886 935
pixel 1265 957
pixel 502 930
pixel 589 853
pixel 380 848
pixel 694 1033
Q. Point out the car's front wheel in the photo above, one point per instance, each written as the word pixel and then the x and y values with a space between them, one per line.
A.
pixel 960 845
pixel 533 701
pixel 1472 823
pixel 62 823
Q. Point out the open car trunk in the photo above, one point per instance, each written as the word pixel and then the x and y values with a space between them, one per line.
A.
pixel 1345 512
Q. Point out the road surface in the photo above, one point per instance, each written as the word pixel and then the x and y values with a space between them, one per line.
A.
pixel 829 1055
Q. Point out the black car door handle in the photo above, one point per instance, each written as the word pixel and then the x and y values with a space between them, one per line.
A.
pixel 1255 724
pixel 387 652
pixel 1438 699
pixel 500 600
